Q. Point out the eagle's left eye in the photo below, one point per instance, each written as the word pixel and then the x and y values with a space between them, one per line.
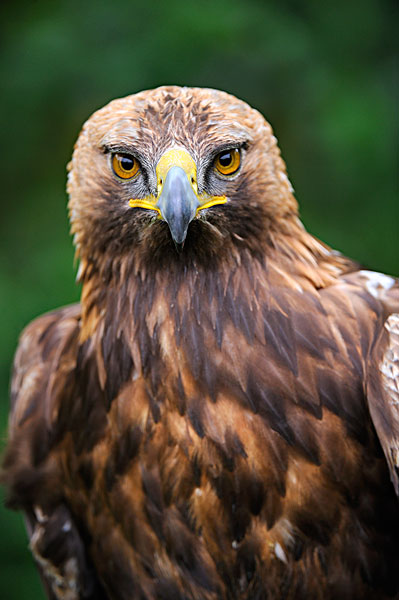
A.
pixel 228 161
pixel 125 165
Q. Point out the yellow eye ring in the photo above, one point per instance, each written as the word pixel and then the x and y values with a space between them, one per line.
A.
pixel 228 161
pixel 125 165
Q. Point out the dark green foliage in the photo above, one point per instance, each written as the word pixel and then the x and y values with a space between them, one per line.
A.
pixel 322 73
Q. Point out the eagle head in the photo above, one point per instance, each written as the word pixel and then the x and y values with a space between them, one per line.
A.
pixel 176 168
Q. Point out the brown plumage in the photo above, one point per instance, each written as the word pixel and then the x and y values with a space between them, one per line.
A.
pixel 218 417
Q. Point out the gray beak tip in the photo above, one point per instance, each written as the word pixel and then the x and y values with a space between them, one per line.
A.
pixel 179 246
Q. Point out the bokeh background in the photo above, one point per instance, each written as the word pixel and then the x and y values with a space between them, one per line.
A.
pixel 322 72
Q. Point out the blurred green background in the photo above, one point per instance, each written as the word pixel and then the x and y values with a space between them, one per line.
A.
pixel 322 72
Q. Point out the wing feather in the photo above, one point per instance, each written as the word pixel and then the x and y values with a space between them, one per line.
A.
pixel 45 358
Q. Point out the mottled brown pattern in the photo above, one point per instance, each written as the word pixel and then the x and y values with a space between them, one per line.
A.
pixel 218 423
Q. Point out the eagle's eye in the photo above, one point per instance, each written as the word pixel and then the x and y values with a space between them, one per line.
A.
pixel 228 161
pixel 125 165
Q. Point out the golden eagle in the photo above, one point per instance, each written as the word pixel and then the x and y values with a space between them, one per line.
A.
pixel 218 418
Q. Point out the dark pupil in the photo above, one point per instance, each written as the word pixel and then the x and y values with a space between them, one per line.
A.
pixel 225 159
pixel 127 163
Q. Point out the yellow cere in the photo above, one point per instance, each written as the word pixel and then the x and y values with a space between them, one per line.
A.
pixel 177 157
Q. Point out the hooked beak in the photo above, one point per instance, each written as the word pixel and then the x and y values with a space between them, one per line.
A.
pixel 178 201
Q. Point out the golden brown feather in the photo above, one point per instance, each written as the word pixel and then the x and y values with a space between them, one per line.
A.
pixel 217 421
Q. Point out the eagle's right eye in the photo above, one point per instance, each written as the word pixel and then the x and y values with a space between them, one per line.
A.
pixel 125 165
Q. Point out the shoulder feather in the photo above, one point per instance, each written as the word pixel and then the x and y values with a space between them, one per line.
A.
pixel 46 345
pixel 383 369
pixel 383 393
